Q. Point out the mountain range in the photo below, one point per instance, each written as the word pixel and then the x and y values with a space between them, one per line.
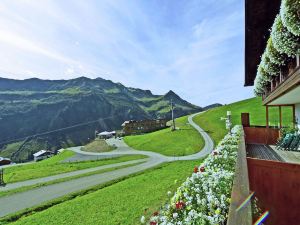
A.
pixel 51 114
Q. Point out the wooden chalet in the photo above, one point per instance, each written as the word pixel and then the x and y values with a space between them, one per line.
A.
pixel 143 126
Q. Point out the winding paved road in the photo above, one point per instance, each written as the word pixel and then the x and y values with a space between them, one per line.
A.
pixel 19 201
pixel 68 174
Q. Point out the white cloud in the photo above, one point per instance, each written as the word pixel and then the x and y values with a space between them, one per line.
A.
pixel 195 51
pixel 23 44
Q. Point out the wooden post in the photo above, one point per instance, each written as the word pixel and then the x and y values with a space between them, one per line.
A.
pixel 1 178
pixel 294 114
pixel 267 116
pixel 280 117
pixel 245 119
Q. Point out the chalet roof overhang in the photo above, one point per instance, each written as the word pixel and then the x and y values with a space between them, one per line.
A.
pixel 259 17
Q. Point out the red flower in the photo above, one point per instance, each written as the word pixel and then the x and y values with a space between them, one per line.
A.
pixel 155 213
pixel 196 169
pixel 202 169
pixel 179 205
pixel 153 223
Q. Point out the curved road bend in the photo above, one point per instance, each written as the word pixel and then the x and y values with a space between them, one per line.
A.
pixel 19 201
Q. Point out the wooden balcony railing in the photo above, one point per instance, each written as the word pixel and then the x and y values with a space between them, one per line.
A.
pixel 261 135
pixel 285 72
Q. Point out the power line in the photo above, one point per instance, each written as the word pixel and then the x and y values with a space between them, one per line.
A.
pixel 60 129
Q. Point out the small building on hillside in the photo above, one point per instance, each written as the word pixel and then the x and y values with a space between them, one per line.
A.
pixel 4 161
pixel 106 134
pixel 143 126
pixel 42 154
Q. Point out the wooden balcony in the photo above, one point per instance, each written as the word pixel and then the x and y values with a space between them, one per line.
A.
pixel 240 190
pixel 288 78
pixel 259 169
pixel 276 185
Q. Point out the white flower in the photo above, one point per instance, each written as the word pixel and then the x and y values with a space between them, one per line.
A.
pixel 205 194
pixel 143 220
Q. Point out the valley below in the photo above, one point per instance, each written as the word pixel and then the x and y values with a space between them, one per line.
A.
pixel 52 114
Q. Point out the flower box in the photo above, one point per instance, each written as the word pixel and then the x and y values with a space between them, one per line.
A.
pixel 204 198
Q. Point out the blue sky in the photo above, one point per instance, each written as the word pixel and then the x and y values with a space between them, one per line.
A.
pixel 193 47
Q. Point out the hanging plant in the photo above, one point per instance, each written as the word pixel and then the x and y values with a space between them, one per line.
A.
pixel 263 73
pixel 290 15
pixel 275 56
pixel 283 40
pixel 259 87
pixel 269 67
pixel 261 80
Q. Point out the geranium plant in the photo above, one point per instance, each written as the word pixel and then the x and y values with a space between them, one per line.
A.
pixel 269 67
pixel 290 15
pixel 275 56
pixel 284 41
pixel 204 198
pixel 261 80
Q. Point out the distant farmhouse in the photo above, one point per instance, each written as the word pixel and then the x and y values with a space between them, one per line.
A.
pixel 43 154
pixel 4 161
pixel 143 126
pixel 106 134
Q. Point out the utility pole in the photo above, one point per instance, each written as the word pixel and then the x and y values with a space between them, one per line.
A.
pixel 172 109
pixel 2 183
pixel 228 122
pixel 96 134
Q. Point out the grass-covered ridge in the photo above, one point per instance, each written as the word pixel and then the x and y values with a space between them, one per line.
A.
pixel 127 204
pixel 54 166
pixel 184 141
pixel 47 105
pixel 210 120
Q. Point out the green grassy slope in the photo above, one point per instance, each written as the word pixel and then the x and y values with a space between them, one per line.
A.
pixel 57 158
pixel 53 166
pixel 184 141
pixel 9 149
pixel 122 203
pixel 210 120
